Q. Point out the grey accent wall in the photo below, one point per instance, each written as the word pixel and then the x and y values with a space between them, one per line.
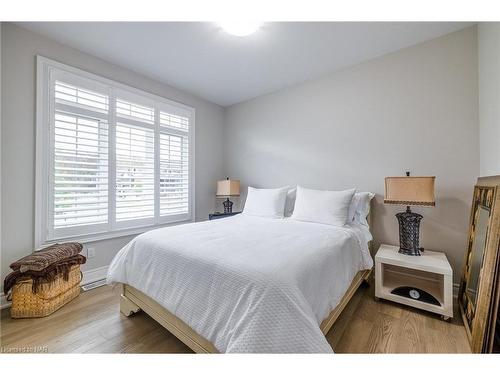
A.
pixel 1 127
pixel 19 48
pixel 416 110
pixel 489 97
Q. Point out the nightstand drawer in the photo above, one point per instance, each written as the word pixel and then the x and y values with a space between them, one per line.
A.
pixel 429 261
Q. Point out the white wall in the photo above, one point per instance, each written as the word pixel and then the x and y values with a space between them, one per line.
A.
pixel 415 110
pixel 0 143
pixel 19 48
pixel 489 97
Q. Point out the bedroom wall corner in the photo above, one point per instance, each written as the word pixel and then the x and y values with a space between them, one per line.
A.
pixel 1 150
pixel 415 109
pixel 489 97
pixel 19 48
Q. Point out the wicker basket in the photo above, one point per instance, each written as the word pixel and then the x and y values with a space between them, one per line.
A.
pixel 49 297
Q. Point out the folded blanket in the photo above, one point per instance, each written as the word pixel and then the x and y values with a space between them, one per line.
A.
pixel 40 260
pixel 48 274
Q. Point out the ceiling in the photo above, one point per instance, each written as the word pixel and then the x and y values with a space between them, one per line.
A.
pixel 200 58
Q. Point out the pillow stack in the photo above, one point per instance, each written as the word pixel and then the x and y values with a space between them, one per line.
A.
pixel 336 208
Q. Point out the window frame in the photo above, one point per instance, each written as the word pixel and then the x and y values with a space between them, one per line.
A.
pixel 47 69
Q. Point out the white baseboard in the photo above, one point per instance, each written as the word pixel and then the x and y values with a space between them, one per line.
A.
pixel 94 275
pixel 89 276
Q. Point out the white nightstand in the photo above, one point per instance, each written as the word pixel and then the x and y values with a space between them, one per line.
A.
pixel 430 273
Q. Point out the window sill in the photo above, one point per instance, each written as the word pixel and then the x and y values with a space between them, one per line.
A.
pixel 88 238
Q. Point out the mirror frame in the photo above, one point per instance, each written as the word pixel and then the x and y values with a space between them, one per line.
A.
pixel 472 300
pixel 477 319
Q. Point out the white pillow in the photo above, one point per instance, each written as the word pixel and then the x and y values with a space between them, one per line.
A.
pixel 265 202
pixel 362 211
pixel 290 201
pixel 363 208
pixel 322 206
pixel 353 207
pixel 360 205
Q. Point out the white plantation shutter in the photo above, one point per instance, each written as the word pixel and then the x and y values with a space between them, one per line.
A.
pixel 80 171
pixel 79 97
pixel 78 175
pixel 174 164
pixel 134 111
pixel 111 160
pixel 169 120
pixel 135 163
pixel 135 178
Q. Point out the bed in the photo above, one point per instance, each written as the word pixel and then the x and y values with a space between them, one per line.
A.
pixel 244 284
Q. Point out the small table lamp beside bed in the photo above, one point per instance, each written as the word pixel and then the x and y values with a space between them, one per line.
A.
pixel 406 274
pixel 226 189
pixel 409 191
pixel 265 281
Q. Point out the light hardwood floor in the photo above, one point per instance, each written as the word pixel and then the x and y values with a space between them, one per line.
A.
pixel 92 323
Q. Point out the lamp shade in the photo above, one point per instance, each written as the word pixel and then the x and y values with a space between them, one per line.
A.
pixel 227 188
pixel 410 191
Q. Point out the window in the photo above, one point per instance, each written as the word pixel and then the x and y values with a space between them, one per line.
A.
pixel 111 160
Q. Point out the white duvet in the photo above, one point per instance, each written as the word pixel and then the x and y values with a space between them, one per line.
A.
pixel 247 284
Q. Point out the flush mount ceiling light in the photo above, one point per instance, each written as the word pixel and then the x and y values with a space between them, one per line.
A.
pixel 240 28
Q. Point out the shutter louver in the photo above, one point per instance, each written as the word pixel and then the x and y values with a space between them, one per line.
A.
pixel 79 97
pixel 134 111
pixel 173 121
pixel 80 171
pixel 174 164
pixel 134 172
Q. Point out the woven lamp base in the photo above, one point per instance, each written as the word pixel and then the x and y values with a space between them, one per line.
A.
pixel 409 228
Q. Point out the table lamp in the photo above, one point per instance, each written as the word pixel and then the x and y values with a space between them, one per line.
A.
pixel 228 188
pixel 409 191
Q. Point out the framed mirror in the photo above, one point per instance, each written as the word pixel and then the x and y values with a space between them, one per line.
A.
pixel 478 286
pixel 477 253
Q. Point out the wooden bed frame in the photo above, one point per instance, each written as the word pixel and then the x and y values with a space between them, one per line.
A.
pixel 132 301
